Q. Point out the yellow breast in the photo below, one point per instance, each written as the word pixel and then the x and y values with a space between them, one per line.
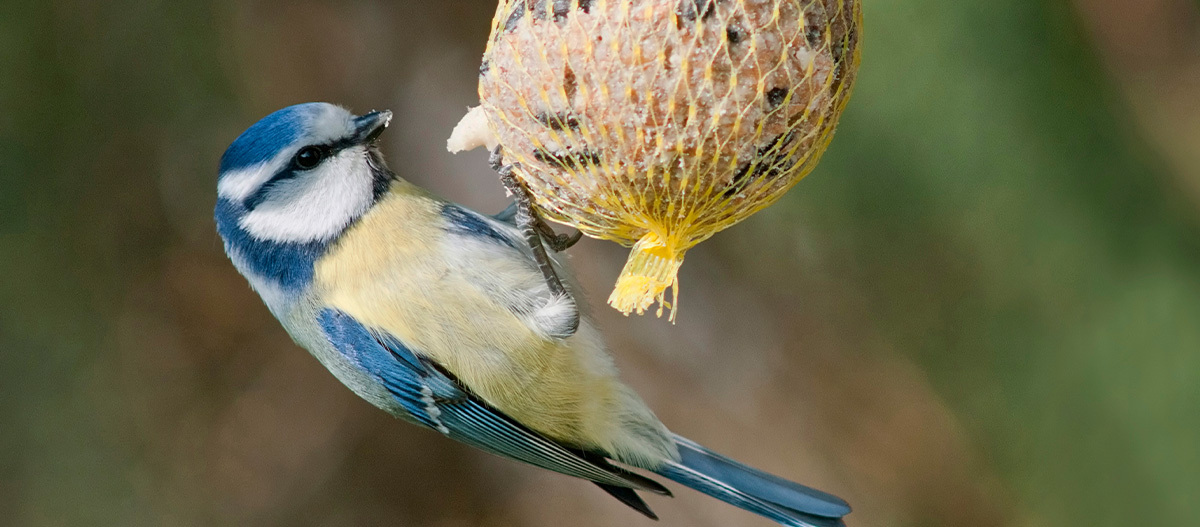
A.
pixel 389 272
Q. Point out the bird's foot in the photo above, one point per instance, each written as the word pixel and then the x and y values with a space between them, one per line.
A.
pixel 535 231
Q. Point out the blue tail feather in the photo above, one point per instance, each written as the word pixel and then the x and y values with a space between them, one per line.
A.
pixel 770 496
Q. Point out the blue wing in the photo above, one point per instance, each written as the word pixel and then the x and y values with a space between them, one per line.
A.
pixel 470 223
pixel 434 398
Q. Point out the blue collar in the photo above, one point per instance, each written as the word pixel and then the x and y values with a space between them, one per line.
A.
pixel 289 264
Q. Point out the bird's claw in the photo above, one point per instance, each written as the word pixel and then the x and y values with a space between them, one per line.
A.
pixel 557 242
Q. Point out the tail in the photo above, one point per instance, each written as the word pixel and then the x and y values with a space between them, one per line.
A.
pixel 776 498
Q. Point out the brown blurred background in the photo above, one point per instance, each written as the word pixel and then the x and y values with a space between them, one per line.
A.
pixel 982 309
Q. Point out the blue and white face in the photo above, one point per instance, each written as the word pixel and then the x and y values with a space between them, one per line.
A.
pixel 292 183
pixel 303 173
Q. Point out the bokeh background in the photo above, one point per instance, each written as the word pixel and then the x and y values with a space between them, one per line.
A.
pixel 982 308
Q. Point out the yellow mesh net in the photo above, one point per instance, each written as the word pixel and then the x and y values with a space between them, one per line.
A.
pixel 658 123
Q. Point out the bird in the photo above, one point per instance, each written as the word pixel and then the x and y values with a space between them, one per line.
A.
pixel 440 316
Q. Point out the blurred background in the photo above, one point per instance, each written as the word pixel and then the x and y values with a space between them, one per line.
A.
pixel 982 308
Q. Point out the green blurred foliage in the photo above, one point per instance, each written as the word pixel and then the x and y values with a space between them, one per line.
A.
pixel 988 214
pixel 1029 255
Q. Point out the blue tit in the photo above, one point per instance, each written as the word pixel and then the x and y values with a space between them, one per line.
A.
pixel 440 316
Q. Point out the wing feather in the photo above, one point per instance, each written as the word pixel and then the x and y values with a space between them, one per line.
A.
pixel 434 398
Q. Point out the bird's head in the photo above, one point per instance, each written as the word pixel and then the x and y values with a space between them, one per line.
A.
pixel 293 182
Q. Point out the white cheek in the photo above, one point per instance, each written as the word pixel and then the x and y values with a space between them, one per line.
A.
pixel 315 206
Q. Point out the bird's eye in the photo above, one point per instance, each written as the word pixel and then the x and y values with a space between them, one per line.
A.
pixel 309 157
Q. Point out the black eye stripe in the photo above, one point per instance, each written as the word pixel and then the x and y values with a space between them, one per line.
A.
pixel 261 194
pixel 328 150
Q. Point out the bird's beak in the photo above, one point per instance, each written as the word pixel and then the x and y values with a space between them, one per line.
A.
pixel 368 127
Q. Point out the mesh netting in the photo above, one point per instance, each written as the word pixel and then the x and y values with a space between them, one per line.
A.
pixel 657 123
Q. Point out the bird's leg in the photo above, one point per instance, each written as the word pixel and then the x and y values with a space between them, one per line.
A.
pixel 527 221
